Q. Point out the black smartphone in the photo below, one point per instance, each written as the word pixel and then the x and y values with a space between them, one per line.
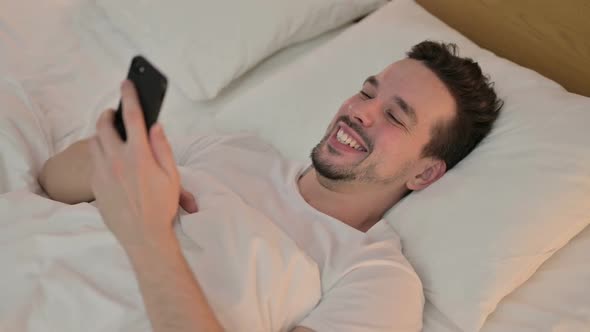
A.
pixel 150 85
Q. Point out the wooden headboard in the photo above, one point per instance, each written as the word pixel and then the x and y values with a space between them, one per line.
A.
pixel 549 36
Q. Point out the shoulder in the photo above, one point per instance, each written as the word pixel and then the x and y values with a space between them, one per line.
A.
pixel 381 266
pixel 383 297
pixel 382 250
pixel 386 290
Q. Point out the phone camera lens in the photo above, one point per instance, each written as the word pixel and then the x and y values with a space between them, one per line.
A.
pixel 141 69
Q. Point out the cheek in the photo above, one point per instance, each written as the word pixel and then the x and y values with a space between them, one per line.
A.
pixel 395 149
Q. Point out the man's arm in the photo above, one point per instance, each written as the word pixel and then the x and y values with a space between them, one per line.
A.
pixel 136 185
pixel 172 295
pixel 65 177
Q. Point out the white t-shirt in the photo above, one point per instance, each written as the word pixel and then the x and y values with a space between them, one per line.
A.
pixel 366 282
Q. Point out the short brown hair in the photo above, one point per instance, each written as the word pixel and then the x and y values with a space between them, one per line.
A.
pixel 477 106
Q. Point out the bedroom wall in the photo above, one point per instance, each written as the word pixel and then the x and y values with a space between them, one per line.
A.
pixel 548 36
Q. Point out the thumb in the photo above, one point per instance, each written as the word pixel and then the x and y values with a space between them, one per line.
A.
pixel 162 150
pixel 187 201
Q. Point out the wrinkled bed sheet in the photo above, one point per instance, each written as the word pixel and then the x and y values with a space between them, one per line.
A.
pixel 62 269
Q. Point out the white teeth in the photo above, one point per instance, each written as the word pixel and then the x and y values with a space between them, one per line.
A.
pixel 345 139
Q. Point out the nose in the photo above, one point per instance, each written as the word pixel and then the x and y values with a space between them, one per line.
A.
pixel 365 112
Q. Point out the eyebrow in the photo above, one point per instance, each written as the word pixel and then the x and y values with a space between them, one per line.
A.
pixel 399 101
pixel 372 80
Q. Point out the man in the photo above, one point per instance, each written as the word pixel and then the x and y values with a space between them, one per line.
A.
pixel 401 132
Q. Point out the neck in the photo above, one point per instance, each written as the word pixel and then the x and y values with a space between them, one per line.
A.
pixel 355 204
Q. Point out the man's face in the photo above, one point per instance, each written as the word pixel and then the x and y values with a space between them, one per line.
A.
pixel 378 134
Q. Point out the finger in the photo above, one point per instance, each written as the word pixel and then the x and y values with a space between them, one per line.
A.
pixel 133 115
pixel 162 150
pixel 187 201
pixel 109 139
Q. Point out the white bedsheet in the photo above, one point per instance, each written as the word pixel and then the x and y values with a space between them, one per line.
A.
pixel 62 270
pixel 25 139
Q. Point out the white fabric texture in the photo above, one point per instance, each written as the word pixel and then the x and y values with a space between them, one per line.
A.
pixel 83 57
pixel 204 45
pixel 71 60
pixel 555 298
pixel 495 218
pixel 62 270
pixel 366 282
pixel 25 139
pixel 67 273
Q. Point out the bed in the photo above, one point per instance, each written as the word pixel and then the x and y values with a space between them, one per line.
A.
pixel 506 246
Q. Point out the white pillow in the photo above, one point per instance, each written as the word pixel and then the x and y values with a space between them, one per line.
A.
pixel 556 298
pixel 487 225
pixel 203 45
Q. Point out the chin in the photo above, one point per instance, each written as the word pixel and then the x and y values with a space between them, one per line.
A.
pixel 320 159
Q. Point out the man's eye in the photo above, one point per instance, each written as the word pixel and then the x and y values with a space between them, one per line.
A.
pixel 364 95
pixel 392 117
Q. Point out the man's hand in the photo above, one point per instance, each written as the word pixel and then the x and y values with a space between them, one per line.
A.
pixel 135 183
pixel 187 201
pixel 137 189
pixel 65 177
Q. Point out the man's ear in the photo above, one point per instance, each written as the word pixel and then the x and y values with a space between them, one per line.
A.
pixel 433 170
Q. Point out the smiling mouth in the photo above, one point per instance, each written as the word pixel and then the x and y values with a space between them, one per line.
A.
pixel 342 140
pixel 345 139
